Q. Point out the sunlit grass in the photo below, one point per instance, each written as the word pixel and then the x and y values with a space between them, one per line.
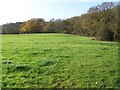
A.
pixel 58 60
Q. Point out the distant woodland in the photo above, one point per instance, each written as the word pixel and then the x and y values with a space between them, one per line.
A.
pixel 101 22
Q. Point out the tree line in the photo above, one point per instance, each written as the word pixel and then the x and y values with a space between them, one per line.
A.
pixel 100 21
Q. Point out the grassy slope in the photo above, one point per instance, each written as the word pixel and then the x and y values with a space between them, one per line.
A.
pixel 58 60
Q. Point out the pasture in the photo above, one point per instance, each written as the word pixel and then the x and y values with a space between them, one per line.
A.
pixel 58 61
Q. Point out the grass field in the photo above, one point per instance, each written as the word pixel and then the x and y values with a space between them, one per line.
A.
pixel 58 60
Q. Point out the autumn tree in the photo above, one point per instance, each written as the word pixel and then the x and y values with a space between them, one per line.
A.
pixel 104 6
pixel 49 26
pixel 34 25
pixel 11 28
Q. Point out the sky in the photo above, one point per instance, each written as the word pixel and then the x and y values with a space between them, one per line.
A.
pixel 23 10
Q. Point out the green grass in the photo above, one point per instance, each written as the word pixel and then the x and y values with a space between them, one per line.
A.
pixel 58 60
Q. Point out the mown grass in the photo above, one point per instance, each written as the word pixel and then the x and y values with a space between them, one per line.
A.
pixel 58 60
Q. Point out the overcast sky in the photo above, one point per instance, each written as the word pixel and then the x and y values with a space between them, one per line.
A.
pixel 23 10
